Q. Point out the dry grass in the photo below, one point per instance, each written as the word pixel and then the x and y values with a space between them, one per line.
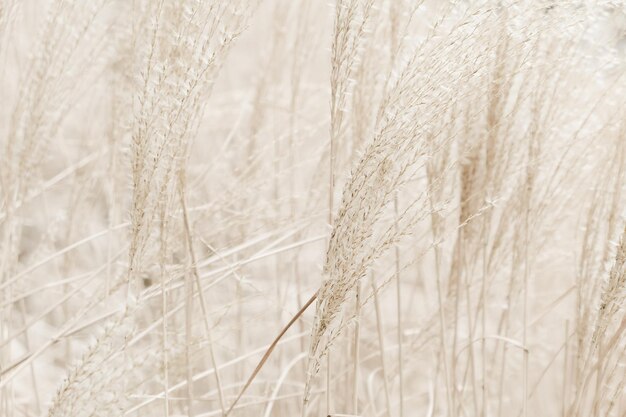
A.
pixel 282 207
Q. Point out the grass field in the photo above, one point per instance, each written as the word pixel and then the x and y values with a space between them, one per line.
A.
pixel 299 208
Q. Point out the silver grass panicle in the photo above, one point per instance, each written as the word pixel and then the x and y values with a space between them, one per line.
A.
pixel 368 87
pixel 93 387
pixel 369 76
pixel 352 21
pixel 104 380
pixel 393 156
pixel 185 49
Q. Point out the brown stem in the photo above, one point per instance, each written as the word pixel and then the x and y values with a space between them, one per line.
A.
pixel 269 351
